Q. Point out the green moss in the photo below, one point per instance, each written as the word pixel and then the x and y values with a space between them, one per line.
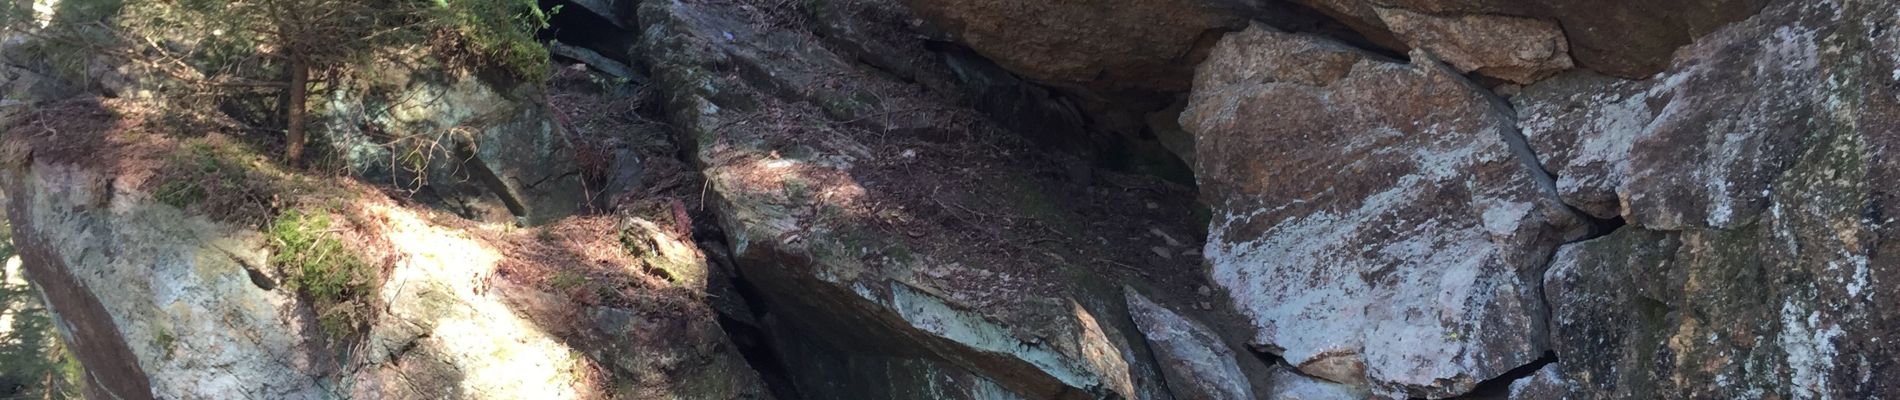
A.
pixel 226 181
pixel 180 194
pixel 321 267
pixel 567 280
pixel 167 341
pixel 502 31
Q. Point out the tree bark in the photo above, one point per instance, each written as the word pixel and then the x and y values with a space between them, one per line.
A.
pixel 295 135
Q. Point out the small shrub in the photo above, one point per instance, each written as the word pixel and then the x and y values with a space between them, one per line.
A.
pixel 321 267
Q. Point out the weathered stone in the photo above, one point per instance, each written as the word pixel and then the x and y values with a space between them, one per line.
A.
pixel 1516 49
pixel 1118 45
pixel 1608 314
pixel 1197 364
pixel 483 151
pixel 1370 217
pixel 1627 38
pixel 598 62
pixel 173 315
pixel 1583 127
pixel 1700 144
pixel 1755 265
pixel 1545 384
pixel 850 201
pixel 166 304
pixel 1288 384
pixel 881 34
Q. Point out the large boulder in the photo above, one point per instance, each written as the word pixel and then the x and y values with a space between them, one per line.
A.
pixel 901 245
pixel 1700 144
pixel 1371 217
pixel 168 302
pixel 1753 175
pixel 1628 38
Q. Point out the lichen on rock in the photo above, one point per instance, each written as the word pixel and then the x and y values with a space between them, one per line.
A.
pixel 1370 216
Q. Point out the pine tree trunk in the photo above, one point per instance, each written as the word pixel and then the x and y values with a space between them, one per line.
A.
pixel 295 137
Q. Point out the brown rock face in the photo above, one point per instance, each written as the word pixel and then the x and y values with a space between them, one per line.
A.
pixel 1106 44
pixel 1369 216
pixel 1627 38
pixel 1515 49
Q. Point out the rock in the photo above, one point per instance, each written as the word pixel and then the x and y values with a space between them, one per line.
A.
pixel 25 86
pixel 872 376
pixel 171 310
pixel 1515 49
pixel 1288 384
pixel 489 152
pixel 1354 197
pixel 1608 314
pixel 1119 45
pixel 1073 83
pixel 597 62
pixel 1196 363
pixel 1545 384
pixel 1166 126
pixel 1754 262
pixel 1701 143
pixel 825 180
pixel 617 12
pixel 881 34
pixel 1626 38
pixel 1563 113
pixel 625 174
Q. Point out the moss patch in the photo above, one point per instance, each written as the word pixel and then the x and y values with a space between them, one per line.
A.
pixel 309 250
pixel 226 181
pixel 501 31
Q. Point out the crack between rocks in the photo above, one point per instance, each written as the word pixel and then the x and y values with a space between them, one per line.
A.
pixel 1589 226
pixel 1500 387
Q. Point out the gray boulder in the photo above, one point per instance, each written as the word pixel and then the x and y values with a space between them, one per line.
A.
pixel 1371 217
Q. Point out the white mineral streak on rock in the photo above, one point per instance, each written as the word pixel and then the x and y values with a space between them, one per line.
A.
pixel 1371 219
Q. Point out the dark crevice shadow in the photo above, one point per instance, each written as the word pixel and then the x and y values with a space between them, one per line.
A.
pixel 1499 388
pixel 756 345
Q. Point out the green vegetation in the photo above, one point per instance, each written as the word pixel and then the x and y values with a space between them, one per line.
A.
pixel 501 31
pixel 309 249
pixel 567 280
pixel 207 54
pixel 199 172
pixel 227 181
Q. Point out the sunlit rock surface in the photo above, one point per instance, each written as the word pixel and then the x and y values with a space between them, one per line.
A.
pixel 193 309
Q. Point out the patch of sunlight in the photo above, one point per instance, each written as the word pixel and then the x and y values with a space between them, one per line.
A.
pixel 439 285
pixel 1101 352
pixel 9 279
